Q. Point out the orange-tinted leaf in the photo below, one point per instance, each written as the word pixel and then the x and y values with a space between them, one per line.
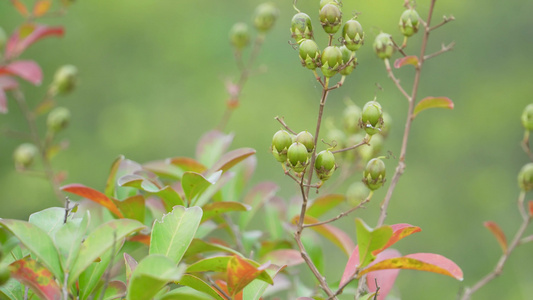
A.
pixel 432 102
pixel 285 257
pixel 230 159
pixel 132 207
pixel 323 204
pixel 531 208
pixel 384 278
pixel 332 233
pixel 25 69
pixel 408 60
pixel 224 287
pixel 41 281
pixel 41 7
pixel 20 7
pixel 240 273
pixel 498 233
pixel 26 35
pixel 216 208
pixel 141 238
pixel 187 164
pixel 399 231
pixel 93 195
pixel 429 262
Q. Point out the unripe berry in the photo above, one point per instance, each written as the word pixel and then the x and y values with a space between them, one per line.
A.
pixel 3 38
pixel 309 54
pixel 330 18
pixel 350 118
pixel 4 275
pixel 347 65
pixel 367 152
pixel 265 16
pixel 65 79
pixel 383 45
pixel 301 27
pixel 324 2
pixel 527 117
pixel 353 35
pixel 372 117
pixel 281 141
pixel 239 36
pixel 298 157
pixel 525 177
pixel 325 165
pixel 357 192
pixel 409 22
pixel 58 119
pixel 374 174
pixel 331 60
pixel 306 139
pixel 25 154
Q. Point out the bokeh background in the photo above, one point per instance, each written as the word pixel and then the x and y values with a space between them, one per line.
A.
pixel 152 81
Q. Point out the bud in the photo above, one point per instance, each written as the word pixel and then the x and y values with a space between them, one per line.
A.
pixel 357 192
pixel 331 60
pixel 385 128
pixel 239 36
pixel 347 66
pixel 309 54
pixel 374 174
pixel 3 38
pixel 65 80
pixel 58 119
pixel 281 142
pixel 307 140
pixel 525 177
pixel 350 118
pixel 301 27
pixel 4 275
pixel 297 156
pixel 265 16
pixel 324 2
pixel 372 117
pixel 25 154
pixel 330 18
pixel 527 117
pixel 383 45
pixel 325 165
pixel 409 22
pixel 353 35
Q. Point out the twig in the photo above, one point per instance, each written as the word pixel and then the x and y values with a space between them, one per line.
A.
pixel 395 80
pixel 443 49
pixel 363 142
pixel 521 208
pixel 280 120
pixel 444 21
pixel 343 214
pixel 221 291
pixel 400 49
pixel 525 145
pixel 65 287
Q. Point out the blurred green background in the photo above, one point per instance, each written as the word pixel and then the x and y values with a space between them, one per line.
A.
pixel 152 81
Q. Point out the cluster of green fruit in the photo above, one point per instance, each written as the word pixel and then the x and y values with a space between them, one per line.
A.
pixel 525 176
pixel 264 18
pixel 409 23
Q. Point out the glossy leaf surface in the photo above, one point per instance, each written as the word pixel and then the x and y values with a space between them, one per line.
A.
pixel 152 274
pixel 370 241
pixel 93 195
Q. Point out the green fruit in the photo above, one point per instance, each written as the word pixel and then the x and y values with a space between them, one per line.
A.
pixel 25 154
pixel 65 80
pixel 58 119
pixel 348 64
pixel 409 22
pixel 325 165
pixel 331 60
pixel 527 117
pixel 334 2
pixel 383 46
pixel 357 192
pixel 298 157
pixel 307 140
pixel 350 118
pixel 525 177
pixel 367 152
pixel 330 16
pixel 309 54
pixel 281 141
pixel 372 117
pixel 301 27
pixel 265 16
pixel 239 36
pixel 374 174
pixel 353 35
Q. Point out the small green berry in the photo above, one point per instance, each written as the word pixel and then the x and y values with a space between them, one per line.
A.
pixel 306 138
pixel 409 22
pixel 298 157
pixel 58 119
pixel 265 16
pixel 325 165
pixel 25 154
pixel 374 174
pixel 65 80
pixel 301 27
pixel 527 117
pixel 357 192
pixel 367 152
pixel 330 18
pixel 309 54
pixel 348 64
pixel 239 36
pixel 372 117
pixel 350 118
pixel 331 60
pixel 383 45
pixel 353 35
pixel 525 177
pixel 334 2
pixel 281 141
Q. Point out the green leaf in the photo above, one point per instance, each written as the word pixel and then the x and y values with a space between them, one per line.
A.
pixel 368 296
pixel 370 240
pixel 49 220
pixel 93 274
pixel 217 208
pixel 186 292
pixel 173 234
pixel 99 241
pixel 432 102
pixel 151 274
pixel 109 190
pixel 200 246
pixel 256 198
pixel 211 146
pixel 324 204
pixel 169 196
pixel 211 264
pixel 115 290
pixel 37 242
pixel 39 279
pixel 199 285
pixel 130 264
pixel 274 218
pixel 332 233
pixel 194 184
pixel 314 250
pixel 12 290
pixel 68 239
pixel 133 207
pixel 230 159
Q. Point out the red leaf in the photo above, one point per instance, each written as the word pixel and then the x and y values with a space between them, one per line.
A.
pixel 385 278
pixel 41 7
pixel 399 231
pixel 240 273
pixel 498 233
pixel 408 60
pixel 285 257
pixel 26 35
pixel 3 102
pixel 25 69
pixel 6 83
pixel 93 195
pixel 351 266
pixel 20 7
pixel 431 102
pixel 39 279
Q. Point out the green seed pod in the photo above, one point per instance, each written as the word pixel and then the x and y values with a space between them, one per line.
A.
pixel 527 117
pixel 307 140
pixel 331 61
pixel 25 154
pixel 58 119
pixel 239 36
pixel 385 128
pixel 372 117
pixel 347 65
pixel 367 152
pixel 265 16
pixel 409 22
pixel 281 141
pixel 353 35
pixel 357 192
pixel 525 177
pixel 383 46
pixel 350 118
pixel 65 80
pixel 330 18
pixel 4 275
pixel 3 38
pixel 335 2
pixel 298 157
pixel 309 54
pixel 301 27
pixel 325 165
pixel 374 174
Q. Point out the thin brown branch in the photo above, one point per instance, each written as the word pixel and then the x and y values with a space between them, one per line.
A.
pixel 525 145
pixel 395 80
pixel 400 49
pixel 343 214
pixel 445 20
pixel 221 291
pixel 443 49
pixel 527 239
pixel 282 122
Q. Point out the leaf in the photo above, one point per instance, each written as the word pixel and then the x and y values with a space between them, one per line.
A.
pixel 431 102
pixel 243 173
pixel 41 7
pixel 370 241
pixel 324 204
pixel 370 296
pixel 217 208
pixel 194 184
pixel 39 279
pixel 351 266
pixel 20 7
pixel 199 285
pixel 240 273
pixel 399 231
pixel 169 196
pixel 498 234
pixel 256 198
pixel 68 239
pixel 49 219
pixel 101 240
pixel 25 69
pixel 185 292
pixel 115 290
pixel 334 234
pixel 385 278
pixel 211 146
pixel 429 262
pixel 133 207
pixel 26 35
pixel 37 242
pixel 407 60
pixel 530 208
pixel 92 276
pixel 6 83
pixel 256 288
pixel 93 195
pixel 131 264
pixel 187 164
pixel 173 234
pixel 230 159
pixel 285 257
pixel 12 290
pixel 111 179
pixel 151 274
pixel 200 246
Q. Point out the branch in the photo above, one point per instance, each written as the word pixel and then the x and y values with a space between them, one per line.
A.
pixel 444 21
pixel 395 80
pixel 343 214
pixel 444 48
pixel 363 142
pixel 282 122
